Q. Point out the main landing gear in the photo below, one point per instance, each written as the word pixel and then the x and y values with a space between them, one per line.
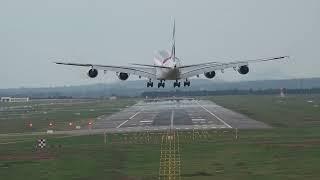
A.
pixel 161 84
pixel 149 83
pixel 186 83
pixel 176 84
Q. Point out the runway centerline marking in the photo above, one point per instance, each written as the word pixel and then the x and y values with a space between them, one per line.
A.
pixel 215 115
pixel 129 118
pixel 172 116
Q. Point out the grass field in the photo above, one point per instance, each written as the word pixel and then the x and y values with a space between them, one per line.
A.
pixel 289 150
pixel 271 154
pixel 16 117
pixel 299 111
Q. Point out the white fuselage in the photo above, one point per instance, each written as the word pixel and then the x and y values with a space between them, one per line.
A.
pixel 163 58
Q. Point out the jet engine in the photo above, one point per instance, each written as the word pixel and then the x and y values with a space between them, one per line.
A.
pixel 123 76
pixel 243 69
pixel 92 73
pixel 210 75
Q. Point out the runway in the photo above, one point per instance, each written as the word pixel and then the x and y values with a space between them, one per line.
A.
pixel 179 115
pixel 161 116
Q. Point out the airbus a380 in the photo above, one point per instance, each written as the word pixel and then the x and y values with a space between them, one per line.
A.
pixel 167 66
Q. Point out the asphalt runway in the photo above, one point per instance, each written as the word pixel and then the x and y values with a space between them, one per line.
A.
pixel 173 114
pixel 162 115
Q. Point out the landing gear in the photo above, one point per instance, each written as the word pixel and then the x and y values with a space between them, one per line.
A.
pixel 176 84
pixel 161 84
pixel 186 83
pixel 149 83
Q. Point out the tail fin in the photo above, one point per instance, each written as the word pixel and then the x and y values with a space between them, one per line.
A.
pixel 173 48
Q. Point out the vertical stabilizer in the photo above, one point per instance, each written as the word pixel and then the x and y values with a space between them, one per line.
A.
pixel 173 49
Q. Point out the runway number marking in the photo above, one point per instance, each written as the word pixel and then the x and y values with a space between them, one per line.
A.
pixel 215 116
pixel 129 118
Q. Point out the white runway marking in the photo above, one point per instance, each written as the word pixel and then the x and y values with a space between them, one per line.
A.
pixel 215 116
pixel 129 119
pixel 123 123
pixel 198 119
pixel 146 121
pixel 172 116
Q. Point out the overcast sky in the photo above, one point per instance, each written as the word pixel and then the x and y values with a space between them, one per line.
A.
pixel 35 33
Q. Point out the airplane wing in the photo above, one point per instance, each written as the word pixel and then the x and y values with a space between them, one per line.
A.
pixel 147 72
pixel 196 69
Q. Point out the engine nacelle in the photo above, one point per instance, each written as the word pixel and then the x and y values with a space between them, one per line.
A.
pixel 210 75
pixel 243 69
pixel 92 73
pixel 123 76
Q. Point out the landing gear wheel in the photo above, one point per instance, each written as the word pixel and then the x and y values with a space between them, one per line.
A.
pixel 176 84
pixel 149 84
pixel 186 83
pixel 161 84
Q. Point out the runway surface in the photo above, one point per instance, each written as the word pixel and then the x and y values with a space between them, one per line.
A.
pixel 163 115
pixel 180 115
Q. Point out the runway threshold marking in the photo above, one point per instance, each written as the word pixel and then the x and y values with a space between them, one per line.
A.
pixel 215 115
pixel 129 118
pixel 198 119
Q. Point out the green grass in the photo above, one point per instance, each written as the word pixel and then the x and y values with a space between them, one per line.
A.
pixel 84 157
pixel 269 154
pixel 251 159
pixel 15 117
pixel 291 111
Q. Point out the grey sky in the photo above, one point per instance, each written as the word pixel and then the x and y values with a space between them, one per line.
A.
pixel 34 33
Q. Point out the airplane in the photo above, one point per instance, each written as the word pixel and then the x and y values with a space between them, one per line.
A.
pixel 167 66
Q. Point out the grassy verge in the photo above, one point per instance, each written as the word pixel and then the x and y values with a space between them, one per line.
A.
pixel 269 154
pixel 16 117
pixel 292 111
